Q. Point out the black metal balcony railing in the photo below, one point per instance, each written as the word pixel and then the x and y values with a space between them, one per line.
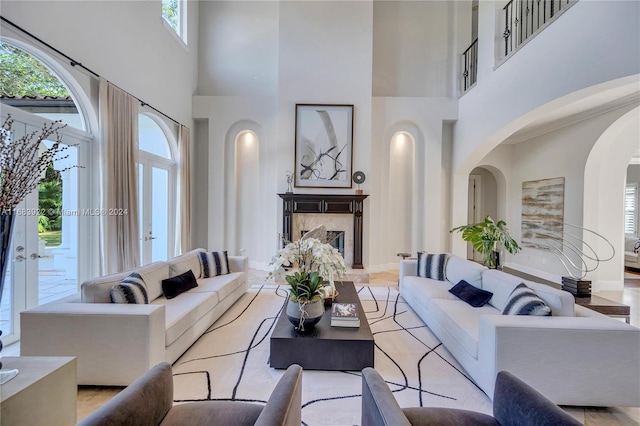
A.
pixel 470 63
pixel 523 18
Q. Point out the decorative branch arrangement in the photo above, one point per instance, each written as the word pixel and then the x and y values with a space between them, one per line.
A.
pixel 24 160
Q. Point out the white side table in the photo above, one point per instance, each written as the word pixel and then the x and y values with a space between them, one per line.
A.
pixel 43 393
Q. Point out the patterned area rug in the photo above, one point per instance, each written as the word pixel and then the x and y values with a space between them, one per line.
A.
pixel 231 361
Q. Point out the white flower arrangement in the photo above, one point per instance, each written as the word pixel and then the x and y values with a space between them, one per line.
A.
pixel 310 255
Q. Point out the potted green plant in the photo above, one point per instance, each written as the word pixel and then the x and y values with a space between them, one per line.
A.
pixel 485 237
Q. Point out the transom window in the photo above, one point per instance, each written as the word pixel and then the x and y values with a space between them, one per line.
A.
pixel 174 13
pixel 28 84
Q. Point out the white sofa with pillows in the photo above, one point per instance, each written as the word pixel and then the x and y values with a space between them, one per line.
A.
pixel 574 356
pixel 632 252
pixel 115 343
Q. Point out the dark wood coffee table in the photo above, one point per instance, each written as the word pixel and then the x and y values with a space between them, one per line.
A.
pixel 326 347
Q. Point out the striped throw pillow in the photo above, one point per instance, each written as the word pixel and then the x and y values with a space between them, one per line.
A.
pixel 131 290
pixel 214 263
pixel 432 266
pixel 524 301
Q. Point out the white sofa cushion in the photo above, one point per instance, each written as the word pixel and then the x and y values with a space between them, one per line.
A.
pixel 562 303
pixel 461 269
pixel 153 274
pixel 461 321
pixel 223 285
pixel 430 288
pixel 502 284
pixel 183 311
pixel 98 290
pixel 189 260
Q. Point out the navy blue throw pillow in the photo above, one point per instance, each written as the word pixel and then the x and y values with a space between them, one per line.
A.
pixel 171 287
pixel 474 296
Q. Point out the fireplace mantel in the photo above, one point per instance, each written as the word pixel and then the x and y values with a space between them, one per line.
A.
pixel 326 203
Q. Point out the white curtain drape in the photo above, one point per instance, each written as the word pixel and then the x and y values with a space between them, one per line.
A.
pixel 184 190
pixel 119 150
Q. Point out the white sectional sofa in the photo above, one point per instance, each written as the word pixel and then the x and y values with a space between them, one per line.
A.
pixel 631 259
pixel 117 343
pixel 574 357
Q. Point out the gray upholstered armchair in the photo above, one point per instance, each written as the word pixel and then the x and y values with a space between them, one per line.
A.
pixel 149 401
pixel 514 404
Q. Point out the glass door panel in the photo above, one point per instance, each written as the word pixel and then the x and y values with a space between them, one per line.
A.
pixel 57 243
pixel 159 214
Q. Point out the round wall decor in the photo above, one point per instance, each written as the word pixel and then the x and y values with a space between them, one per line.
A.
pixel 359 177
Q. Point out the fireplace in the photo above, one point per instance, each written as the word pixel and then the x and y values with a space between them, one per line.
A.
pixel 335 211
pixel 334 238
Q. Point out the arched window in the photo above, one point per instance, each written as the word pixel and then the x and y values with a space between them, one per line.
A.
pixel 48 255
pixel 28 84
pixel 156 190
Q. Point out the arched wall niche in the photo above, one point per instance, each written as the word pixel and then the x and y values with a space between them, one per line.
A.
pixel 603 208
pixel 400 196
pixel 403 183
pixel 242 188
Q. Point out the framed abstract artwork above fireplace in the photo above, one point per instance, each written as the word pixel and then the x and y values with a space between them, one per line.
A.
pixel 323 146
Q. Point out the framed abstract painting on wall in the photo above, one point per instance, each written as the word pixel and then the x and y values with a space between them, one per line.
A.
pixel 543 213
pixel 323 146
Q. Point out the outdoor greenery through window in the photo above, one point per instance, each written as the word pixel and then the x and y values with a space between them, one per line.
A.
pixel 172 13
pixel 22 75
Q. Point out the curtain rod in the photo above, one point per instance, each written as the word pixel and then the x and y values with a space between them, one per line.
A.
pixel 75 63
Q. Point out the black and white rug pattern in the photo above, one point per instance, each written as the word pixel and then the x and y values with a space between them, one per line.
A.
pixel 231 361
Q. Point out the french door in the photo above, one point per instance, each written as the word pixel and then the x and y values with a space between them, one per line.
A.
pixel 156 186
pixel 43 264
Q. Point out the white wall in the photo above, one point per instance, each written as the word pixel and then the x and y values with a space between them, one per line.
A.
pixel 582 56
pixel 423 119
pixel 560 153
pixel 227 117
pixel 412 50
pixel 239 52
pixel 125 42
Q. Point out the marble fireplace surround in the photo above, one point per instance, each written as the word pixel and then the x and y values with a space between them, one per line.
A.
pixel 337 212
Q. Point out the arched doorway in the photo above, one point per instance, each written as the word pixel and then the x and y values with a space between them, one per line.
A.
pixel 603 210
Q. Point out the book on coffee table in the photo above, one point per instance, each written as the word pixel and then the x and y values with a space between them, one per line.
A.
pixel 344 315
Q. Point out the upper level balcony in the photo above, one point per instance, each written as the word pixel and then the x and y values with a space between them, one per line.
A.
pixel 518 22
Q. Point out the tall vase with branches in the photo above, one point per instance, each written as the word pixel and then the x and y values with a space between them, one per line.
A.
pixel 485 237
pixel 23 162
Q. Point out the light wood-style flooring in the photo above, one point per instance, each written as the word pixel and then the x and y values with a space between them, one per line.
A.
pixel 91 398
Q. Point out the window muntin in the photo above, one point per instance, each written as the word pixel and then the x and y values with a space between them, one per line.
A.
pixel 631 209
